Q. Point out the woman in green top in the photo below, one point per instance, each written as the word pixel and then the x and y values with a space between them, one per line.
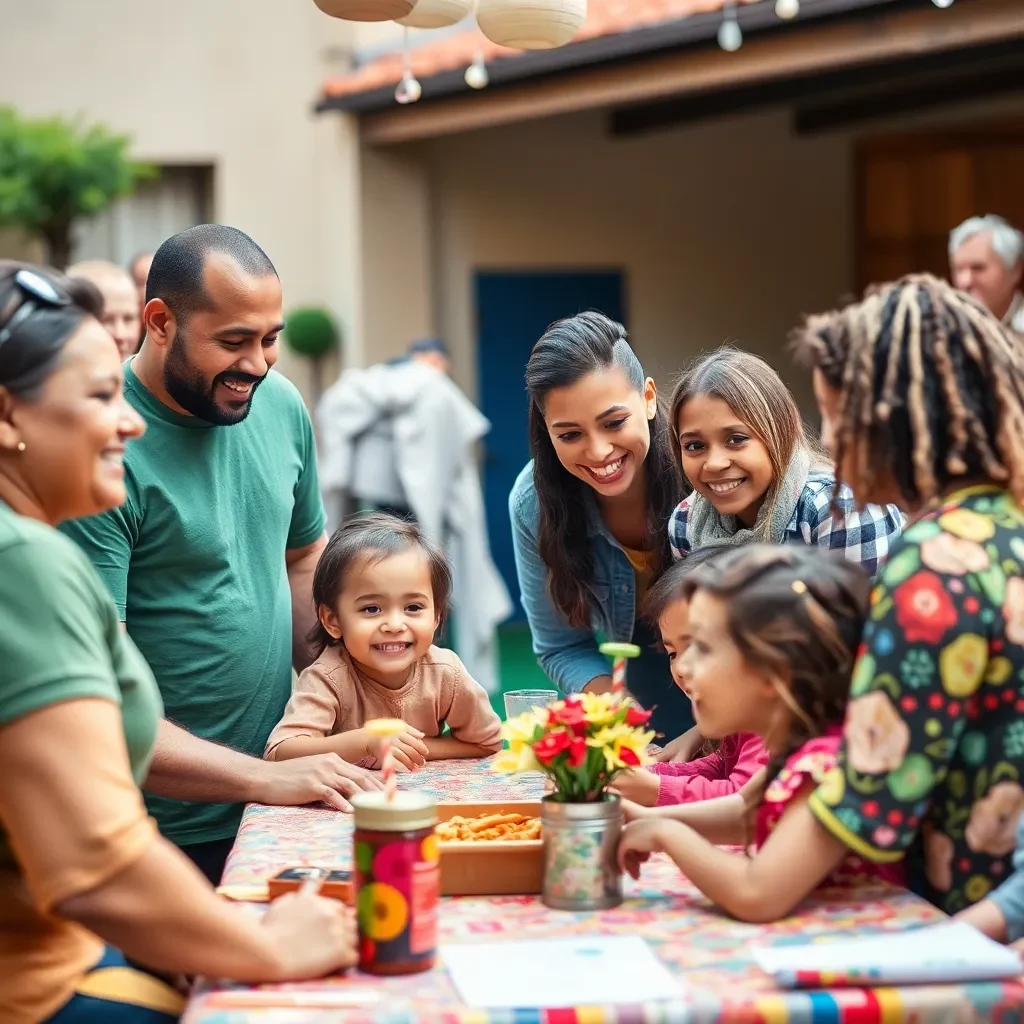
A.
pixel 81 864
pixel 921 392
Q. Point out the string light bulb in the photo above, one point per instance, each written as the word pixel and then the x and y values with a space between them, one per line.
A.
pixel 476 73
pixel 787 9
pixel 943 3
pixel 409 89
pixel 730 36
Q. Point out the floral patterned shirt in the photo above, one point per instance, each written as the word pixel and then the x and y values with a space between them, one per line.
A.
pixel 812 763
pixel 934 734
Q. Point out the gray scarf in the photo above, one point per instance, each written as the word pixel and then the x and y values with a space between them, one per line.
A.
pixel 705 527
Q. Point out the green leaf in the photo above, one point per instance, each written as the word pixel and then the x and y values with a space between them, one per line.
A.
pixel 54 172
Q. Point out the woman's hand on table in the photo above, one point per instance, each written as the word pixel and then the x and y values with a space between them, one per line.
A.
pixel 683 748
pixel 638 786
pixel 305 780
pixel 639 840
pixel 313 936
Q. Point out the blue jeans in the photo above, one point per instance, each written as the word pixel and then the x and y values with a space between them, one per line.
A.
pixel 114 992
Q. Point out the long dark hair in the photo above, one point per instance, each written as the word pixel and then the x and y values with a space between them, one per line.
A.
pixel 569 350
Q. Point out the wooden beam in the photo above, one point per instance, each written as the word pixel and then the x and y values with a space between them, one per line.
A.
pixel 888 36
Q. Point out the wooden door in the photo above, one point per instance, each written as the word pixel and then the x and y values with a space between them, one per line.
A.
pixel 914 189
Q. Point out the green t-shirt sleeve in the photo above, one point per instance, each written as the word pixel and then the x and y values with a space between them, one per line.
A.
pixel 308 516
pixel 54 632
pixel 108 541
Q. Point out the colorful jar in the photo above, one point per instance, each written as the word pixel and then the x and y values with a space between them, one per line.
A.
pixel 398 879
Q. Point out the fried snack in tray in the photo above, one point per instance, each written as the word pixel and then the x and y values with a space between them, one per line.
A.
pixel 505 827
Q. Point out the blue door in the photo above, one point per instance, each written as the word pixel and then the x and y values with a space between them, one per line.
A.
pixel 513 311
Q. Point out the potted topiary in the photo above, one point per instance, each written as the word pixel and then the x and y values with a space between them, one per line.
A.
pixel 312 333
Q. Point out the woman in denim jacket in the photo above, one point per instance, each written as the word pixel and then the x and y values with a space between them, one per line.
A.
pixel 589 513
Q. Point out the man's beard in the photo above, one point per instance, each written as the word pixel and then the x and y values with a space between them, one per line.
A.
pixel 186 385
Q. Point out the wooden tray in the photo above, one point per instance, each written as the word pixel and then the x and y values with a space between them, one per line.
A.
pixel 491 868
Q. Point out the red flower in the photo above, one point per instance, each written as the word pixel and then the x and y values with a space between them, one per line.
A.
pixel 571 716
pixel 924 610
pixel 870 809
pixel 548 747
pixel 908 704
pixel 936 701
pixel 577 752
pixel 629 757
pixel 953 709
pixel 637 716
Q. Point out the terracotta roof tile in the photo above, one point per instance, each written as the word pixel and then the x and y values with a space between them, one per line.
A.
pixel 604 17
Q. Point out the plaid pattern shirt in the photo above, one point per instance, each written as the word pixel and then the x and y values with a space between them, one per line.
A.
pixel 865 535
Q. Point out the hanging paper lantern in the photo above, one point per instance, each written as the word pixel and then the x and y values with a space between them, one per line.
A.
pixel 438 13
pixel 531 24
pixel 366 10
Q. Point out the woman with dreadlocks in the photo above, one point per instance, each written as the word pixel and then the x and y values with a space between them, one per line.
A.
pixel 921 392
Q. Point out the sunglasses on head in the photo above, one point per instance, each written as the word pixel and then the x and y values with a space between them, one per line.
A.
pixel 36 291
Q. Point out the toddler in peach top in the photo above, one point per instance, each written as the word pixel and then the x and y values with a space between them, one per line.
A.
pixel 381 592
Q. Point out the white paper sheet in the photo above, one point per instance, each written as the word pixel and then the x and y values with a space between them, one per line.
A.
pixel 559 973
pixel 948 952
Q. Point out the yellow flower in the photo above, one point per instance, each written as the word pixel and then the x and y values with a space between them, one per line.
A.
pixel 510 762
pixel 962 665
pixel 962 522
pixel 612 740
pixel 600 708
pixel 518 731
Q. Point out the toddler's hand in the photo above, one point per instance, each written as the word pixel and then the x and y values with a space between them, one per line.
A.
pixel 638 785
pixel 408 748
pixel 639 840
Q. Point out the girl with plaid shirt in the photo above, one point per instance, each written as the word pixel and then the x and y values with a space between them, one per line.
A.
pixel 755 474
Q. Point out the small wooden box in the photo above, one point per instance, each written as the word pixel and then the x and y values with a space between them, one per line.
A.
pixel 491 868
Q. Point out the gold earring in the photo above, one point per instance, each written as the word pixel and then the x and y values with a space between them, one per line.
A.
pixel 21 446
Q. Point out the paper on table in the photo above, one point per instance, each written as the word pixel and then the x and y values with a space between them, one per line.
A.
pixel 948 952
pixel 559 973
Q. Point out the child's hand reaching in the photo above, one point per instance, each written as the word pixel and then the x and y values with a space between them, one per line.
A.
pixel 408 748
pixel 638 785
pixel 634 812
pixel 639 840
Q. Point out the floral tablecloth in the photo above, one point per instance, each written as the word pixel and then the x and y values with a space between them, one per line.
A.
pixel 708 951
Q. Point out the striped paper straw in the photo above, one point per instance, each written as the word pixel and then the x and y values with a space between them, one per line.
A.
pixel 387 769
pixel 619 675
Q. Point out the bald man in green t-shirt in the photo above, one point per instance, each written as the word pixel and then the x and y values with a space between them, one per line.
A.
pixel 210 559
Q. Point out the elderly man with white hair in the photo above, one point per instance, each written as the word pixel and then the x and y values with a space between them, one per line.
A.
pixel 986 256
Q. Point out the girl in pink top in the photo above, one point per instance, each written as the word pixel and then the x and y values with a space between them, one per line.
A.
pixel 727 765
pixel 381 591
pixel 772 637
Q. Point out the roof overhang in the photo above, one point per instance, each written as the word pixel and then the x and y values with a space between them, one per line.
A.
pixel 680 60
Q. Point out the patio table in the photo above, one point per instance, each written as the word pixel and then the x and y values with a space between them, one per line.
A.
pixel 707 951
